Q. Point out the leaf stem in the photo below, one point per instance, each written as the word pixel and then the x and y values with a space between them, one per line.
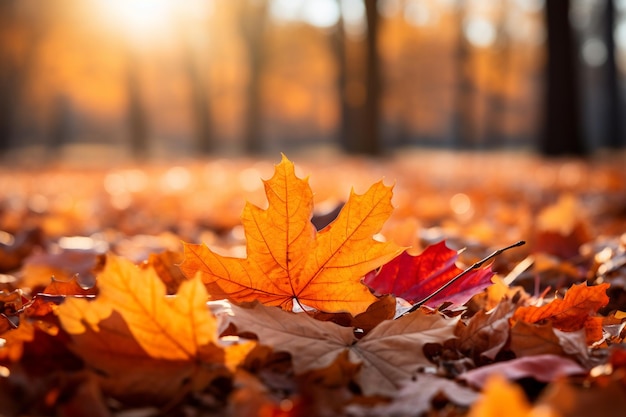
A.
pixel 462 274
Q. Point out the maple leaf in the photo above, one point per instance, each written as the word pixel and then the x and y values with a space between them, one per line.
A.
pixel 569 313
pixel 391 353
pixel 142 341
pixel 287 258
pixel 168 328
pixel 414 278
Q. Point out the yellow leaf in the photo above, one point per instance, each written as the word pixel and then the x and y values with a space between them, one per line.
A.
pixel 170 328
pixel 503 398
pixel 288 259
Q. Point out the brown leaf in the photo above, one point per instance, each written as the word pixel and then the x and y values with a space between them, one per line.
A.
pixel 391 353
pixel 415 398
pixel 534 339
pixel 487 332
pixel 604 397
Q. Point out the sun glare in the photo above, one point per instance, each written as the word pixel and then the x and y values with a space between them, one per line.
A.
pixel 137 18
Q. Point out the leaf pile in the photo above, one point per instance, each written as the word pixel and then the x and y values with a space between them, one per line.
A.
pixel 311 317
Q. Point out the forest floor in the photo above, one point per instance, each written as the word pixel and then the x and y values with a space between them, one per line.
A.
pixel 61 218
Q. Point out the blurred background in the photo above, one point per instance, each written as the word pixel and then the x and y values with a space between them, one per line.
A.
pixel 161 78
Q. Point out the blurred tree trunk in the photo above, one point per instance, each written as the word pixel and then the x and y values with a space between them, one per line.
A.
pixel 464 117
pixel 371 139
pixel 16 66
pixel 496 110
pixel 562 133
pixel 347 133
pixel 137 117
pixel 61 128
pixel 614 132
pixel 253 28
pixel 200 107
pixel 359 85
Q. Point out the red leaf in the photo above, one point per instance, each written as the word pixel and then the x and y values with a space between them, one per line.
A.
pixel 414 278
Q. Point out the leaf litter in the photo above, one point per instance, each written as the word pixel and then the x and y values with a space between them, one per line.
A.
pixel 308 312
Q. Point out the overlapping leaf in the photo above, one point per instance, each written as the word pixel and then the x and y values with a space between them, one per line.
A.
pixel 171 328
pixel 570 313
pixel 287 258
pixel 416 277
pixel 390 354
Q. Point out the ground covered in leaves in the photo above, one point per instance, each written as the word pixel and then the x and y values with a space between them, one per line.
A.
pixel 318 287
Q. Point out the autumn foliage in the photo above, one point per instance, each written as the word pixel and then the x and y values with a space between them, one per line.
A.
pixel 309 322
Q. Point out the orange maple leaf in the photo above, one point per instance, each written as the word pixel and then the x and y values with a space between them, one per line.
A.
pixel 287 258
pixel 570 313
pixel 171 328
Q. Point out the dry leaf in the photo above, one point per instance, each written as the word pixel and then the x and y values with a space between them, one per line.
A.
pixel 287 258
pixel 391 353
pixel 166 328
pixel 487 332
pixel 570 313
pixel 414 278
pixel 415 398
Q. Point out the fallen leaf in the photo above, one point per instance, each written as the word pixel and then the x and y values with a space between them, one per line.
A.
pixel 127 372
pixel 415 398
pixel 602 397
pixel 12 342
pixel 167 328
pixel 382 309
pixel 288 260
pixel 391 353
pixel 487 332
pixel 528 339
pixel 55 293
pixel 12 254
pixel 543 368
pixel 166 266
pixel 503 398
pixel 64 265
pixel 569 313
pixel 561 228
pixel 414 278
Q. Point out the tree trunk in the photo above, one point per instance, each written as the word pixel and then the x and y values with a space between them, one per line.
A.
pixel 464 116
pixel 137 118
pixel 200 107
pixel 254 20
pixel 562 133
pixel 371 139
pixel 614 135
